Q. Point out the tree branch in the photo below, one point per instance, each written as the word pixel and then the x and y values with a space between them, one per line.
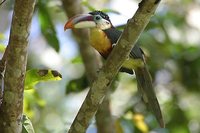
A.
pixel 100 86
pixel 2 72
pixel 104 119
pixel 16 59
pixel 2 2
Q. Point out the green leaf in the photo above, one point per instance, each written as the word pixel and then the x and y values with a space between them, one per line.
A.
pixel 35 76
pixel 2 48
pixel 2 36
pixel 47 26
pixel 77 85
pixel 91 8
pixel 121 27
pixel 107 10
pixel 32 102
pixel 77 59
pixel 27 126
pixel 86 4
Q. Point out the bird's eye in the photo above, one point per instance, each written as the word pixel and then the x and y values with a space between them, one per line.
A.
pixel 97 17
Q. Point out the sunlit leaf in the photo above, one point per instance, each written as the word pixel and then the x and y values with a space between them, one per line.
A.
pixel 108 10
pixel 46 25
pixel 1 36
pixel 27 126
pixel 77 59
pixel 2 48
pixel 138 119
pixel 86 4
pixel 91 8
pixel 35 76
pixel 32 101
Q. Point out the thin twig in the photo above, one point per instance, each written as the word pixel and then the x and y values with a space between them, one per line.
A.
pixel 2 2
pixel 2 72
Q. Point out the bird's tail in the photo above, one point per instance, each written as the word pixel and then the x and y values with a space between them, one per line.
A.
pixel 145 87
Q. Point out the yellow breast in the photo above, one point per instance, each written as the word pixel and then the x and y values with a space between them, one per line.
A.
pixel 100 42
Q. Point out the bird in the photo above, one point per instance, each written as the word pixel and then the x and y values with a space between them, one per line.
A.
pixel 103 37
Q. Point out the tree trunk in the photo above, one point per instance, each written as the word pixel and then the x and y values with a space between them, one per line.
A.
pixel 16 59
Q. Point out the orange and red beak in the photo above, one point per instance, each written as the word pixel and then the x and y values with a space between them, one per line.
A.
pixel 80 21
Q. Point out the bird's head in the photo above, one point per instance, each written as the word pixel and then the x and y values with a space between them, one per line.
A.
pixel 95 19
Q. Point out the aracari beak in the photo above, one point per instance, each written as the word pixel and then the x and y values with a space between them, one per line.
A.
pixel 80 21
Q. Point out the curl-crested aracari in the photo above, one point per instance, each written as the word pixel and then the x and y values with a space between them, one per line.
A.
pixel 103 37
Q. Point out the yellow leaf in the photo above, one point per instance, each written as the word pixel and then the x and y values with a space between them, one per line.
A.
pixel 138 119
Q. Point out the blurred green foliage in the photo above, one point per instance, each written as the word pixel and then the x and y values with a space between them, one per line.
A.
pixel 87 4
pixel 32 100
pixel 47 26
pixel 172 54
pixel 2 48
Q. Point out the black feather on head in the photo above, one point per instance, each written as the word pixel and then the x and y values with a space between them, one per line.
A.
pixel 102 14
